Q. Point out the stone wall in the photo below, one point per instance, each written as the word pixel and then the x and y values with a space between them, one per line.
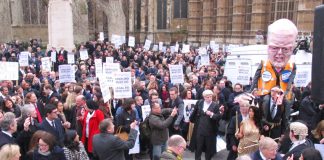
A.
pixel 5 22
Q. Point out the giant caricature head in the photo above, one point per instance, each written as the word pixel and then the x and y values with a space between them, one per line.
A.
pixel 281 42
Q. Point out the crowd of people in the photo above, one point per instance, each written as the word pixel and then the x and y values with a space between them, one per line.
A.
pixel 42 118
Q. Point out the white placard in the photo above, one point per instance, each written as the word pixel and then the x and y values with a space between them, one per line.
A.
pixel 109 59
pixel 320 147
pixel 101 36
pixel 303 75
pixel 122 40
pixel 53 56
pixel 122 85
pixel 98 67
pixel 146 110
pixel 172 49
pixel 185 48
pixel 202 51
pixel 238 70
pixel 131 41
pixel 46 64
pixel 104 89
pixel 164 49
pixel 220 144
pixel 84 54
pixel 23 59
pixel 66 73
pixel 9 71
pixel 176 74
pixel 108 69
pixel 155 47
pixel 204 60
pixel 189 106
pixel 176 48
pixel 115 39
pixel 136 148
pixel 70 58
pixel 160 46
pixel 147 44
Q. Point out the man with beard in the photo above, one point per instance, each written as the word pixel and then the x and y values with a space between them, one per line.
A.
pixel 277 71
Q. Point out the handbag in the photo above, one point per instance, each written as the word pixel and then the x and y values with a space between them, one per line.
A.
pixel 122 135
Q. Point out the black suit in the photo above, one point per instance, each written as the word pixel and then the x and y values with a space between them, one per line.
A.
pixel 297 151
pixel 58 131
pixel 6 139
pixel 257 156
pixel 280 117
pixel 230 136
pixel 205 129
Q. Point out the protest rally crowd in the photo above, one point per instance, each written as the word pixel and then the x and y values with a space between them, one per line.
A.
pixel 44 118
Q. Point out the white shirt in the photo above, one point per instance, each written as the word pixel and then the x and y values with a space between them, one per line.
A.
pixel 89 115
pixel 50 122
pixel 297 143
pixel 206 106
pixel 245 117
pixel 275 108
pixel 262 156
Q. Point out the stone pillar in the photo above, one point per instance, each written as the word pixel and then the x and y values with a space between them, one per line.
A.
pixel 16 13
pixel 116 18
pixel 80 21
pixel 259 19
pixel 151 10
pixel 60 24
pixel 5 31
pixel 131 12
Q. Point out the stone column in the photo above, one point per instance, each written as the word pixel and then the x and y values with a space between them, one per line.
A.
pixel 16 13
pixel 5 31
pixel 131 12
pixel 151 12
pixel 80 21
pixel 60 24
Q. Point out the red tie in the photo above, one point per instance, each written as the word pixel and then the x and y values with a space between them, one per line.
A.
pixel 39 117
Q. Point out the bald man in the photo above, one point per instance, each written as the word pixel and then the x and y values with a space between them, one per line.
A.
pixel 277 70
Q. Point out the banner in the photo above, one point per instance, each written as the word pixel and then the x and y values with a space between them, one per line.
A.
pixel 107 70
pixel 204 60
pixel 46 64
pixel 84 54
pixel 109 59
pixel 176 48
pixel 131 41
pixel 155 47
pixel 189 106
pixel 136 148
pixel 202 51
pixel 70 58
pixel 66 73
pixel 9 71
pixel 23 59
pixel 176 74
pixel 147 44
pixel 98 67
pixel 122 85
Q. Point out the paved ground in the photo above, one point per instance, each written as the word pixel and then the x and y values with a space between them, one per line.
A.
pixel 221 155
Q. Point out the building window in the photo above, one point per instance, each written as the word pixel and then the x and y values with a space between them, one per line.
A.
pixel 282 9
pixel 161 14
pixel 180 8
pixel 138 14
pixel 230 15
pixel 34 11
pixel 248 14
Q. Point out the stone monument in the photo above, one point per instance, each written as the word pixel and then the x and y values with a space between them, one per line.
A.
pixel 60 24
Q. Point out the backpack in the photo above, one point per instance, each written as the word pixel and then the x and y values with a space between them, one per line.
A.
pixel 145 128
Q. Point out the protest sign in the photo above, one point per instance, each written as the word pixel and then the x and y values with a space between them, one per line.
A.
pixel 204 60
pixel 46 64
pixel 84 54
pixel 155 47
pixel 70 58
pixel 98 67
pixel 136 148
pixel 189 106
pixel 238 70
pixel 23 59
pixel 160 46
pixel 122 85
pixel 53 56
pixel 185 48
pixel 9 71
pixel 303 75
pixel 176 47
pixel 66 73
pixel 146 109
pixel 202 51
pixel 172 49
pixel 176 74
pixel 108 69
pixel 147 44
pixel 131 41
pixel 101 36
pixel 104 89
pixel 109 59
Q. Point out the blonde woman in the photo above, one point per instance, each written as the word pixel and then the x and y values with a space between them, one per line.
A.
pixel 10 152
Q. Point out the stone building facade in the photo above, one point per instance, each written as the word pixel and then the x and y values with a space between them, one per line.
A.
pixel 190 21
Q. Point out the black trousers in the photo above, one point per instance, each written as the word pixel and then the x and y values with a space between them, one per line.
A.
pixel 205 143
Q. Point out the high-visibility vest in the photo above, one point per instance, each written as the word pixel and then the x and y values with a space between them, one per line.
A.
pixel 268 78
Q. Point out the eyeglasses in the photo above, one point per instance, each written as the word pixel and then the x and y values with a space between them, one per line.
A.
pixel 275 49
